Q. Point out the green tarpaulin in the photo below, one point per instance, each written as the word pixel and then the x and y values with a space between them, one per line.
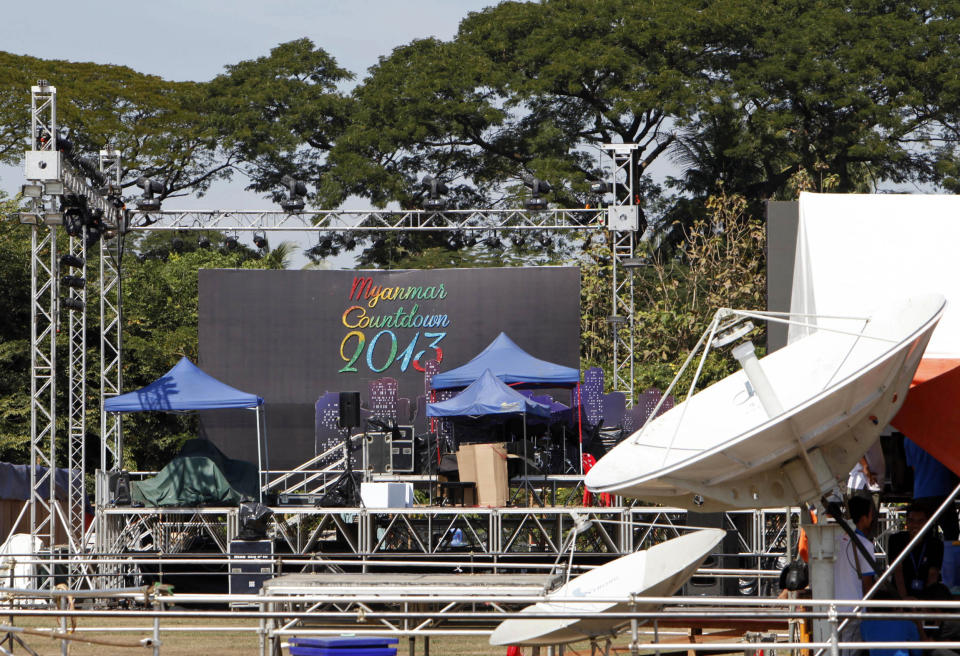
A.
pixel 199 475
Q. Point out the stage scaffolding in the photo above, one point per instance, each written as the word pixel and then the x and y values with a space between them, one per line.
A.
pixel 51 174
pixel 490 535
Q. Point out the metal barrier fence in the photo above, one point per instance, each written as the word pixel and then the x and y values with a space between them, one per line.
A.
pixel 646 623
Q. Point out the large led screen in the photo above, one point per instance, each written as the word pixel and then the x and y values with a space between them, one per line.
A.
pixel 291 336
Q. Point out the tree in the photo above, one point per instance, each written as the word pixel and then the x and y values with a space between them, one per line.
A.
pixel 864 91
pixel 14 334
pixel 155 124
pixel 279 115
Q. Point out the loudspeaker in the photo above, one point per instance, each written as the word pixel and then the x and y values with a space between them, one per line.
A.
pixel 120 488
pixel 720 558
pixel 349 409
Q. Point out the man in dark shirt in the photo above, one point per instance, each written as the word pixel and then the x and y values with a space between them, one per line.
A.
pixel 920 568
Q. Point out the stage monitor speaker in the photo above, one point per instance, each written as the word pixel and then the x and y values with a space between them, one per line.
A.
pixel 120 488
pixel 720 558
pixel 349 409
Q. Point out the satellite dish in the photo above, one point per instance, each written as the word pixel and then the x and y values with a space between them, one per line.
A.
pixel 656 572
pixel 728 447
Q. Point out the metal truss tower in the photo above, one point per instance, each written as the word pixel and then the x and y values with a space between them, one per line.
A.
pixel 626 228
pixel 42 169
pixel 50 175
pixel 111 377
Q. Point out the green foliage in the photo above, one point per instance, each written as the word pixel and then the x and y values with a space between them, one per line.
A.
pixel 280 114
pixel 720 263
pixel 157 125
pixel 14 334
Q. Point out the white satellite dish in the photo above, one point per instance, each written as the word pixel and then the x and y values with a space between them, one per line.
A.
pixel 724 448
pixel 657 572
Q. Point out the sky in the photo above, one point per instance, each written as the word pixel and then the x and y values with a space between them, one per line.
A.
pixel 194 39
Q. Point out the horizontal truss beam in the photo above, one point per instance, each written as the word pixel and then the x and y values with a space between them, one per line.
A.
pixel 370 221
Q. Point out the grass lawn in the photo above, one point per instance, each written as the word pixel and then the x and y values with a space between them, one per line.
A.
pixel 189 642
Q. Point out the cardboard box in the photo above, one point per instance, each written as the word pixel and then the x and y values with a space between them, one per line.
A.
pixel 485 465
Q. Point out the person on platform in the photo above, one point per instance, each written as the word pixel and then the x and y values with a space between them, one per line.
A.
pixel 920 569
pixel 932 482
pixel 853 573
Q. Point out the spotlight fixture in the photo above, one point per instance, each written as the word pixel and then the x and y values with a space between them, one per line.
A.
pixel 537 187
pixel 71 260
pixel 260 240
pixel 203 241
pixel 74 282
pixel 176 244
pixel 64 144
pixel 72 304
pixel 493 242
pixel 435 189
pixel 31 190
pixel 73 222
pixel 296 190
pixel 150 187
pixel 601 188
pixel 350 243
pixel 230 242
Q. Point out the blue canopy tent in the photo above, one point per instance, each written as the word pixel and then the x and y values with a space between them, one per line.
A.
pixel 511 364
pixel 187 387
pixel 487 395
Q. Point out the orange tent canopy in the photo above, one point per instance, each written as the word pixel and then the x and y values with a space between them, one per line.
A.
pixel 930 415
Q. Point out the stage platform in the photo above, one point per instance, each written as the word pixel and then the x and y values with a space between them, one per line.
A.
pixel 401 583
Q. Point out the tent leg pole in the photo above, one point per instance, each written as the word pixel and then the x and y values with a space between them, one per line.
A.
pixel 259 460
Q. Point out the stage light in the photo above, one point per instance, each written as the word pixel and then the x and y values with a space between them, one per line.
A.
pixel 350 243
pixel 176 244
pixel 470 240
pixel 260 240
pixel 71 260
pixel 601 188
pixel 53 188
pixel 64 145
pixel 519 240
pixel 73 222
pixel 150 187
pixel 493 242
pixel 31 190
pixel 230 242
pixel 435 189
pixel 91 168
pixel 296 190
pixel 634 263
pixel 203 241
pixel 72 304
pixel 75 282
pixel 253 521
pixel 537 187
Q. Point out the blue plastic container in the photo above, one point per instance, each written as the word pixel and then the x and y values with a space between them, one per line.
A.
pixel 343 646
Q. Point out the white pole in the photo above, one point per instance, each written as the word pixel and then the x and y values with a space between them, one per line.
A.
pixel 259 460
